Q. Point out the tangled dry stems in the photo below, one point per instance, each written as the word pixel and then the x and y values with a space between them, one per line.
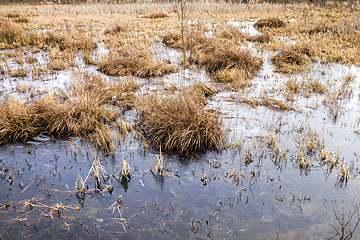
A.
pixel 294 58
pixel 87 111
pixel 271 22
pixel 18 121
pixel 144 67
pixel 179 124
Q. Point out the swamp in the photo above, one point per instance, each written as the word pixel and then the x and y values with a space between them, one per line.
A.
pixel 180 120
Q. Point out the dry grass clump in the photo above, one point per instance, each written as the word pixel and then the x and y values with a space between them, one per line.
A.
pixel 77 116
pixel 145 67
pixel 12 36
pixel 173 39
pixel 156 15
pixel 271 22
pixel 234 34
pixel 117 29
pixel 227 63
pixel 66 40
pixel 31 59
pixel 294 58
pixel 120 93
pixel 304 87
pixel 320 28
pixel 21 20
pixel 179 124
pixel 18 121
pixel 261 38
pixel 13 15
pixel 201 91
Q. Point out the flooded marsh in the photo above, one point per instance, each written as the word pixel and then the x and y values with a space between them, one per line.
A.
pixel 108 130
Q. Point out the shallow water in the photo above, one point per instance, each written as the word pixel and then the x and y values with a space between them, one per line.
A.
pixel 268 198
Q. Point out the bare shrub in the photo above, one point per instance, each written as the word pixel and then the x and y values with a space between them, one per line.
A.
pixel 179 124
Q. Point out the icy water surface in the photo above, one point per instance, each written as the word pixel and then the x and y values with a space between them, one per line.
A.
pixel 255 189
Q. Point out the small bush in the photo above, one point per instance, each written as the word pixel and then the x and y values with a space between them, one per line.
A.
pixel 179 124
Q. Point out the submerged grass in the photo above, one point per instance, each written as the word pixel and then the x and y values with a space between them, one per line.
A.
pixel 179 124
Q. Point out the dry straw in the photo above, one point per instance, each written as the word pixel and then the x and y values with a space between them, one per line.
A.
pixel 179 124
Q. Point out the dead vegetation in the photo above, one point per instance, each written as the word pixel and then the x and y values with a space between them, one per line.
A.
pixel 227 63
pixel 270 103
pixel 66 40
pixel 201 91
pixel 294 58
pixel 179 124
pixel 144 67
pixel 18 121
pixel 271 22
pixel 156 15
pixel 13 36
pixel 87 111
pixel 304 87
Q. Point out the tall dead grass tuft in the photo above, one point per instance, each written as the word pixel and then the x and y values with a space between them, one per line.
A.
pixel 88 110
pixel 77 116
pixel 179 124
pixel 65 40
pixel 145 67
pixel 234 34
pixel 271 22
pixel 294 58
pixel 18 121
pixel 12 36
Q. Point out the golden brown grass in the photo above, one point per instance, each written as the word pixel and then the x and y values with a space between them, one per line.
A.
pixel 201 91
pixel 234 34
pixel 145 67
pixel 179 124
pixel 156 15
pixel 87 111
pixel 271 22
pixel 306 87
pixel 18 121
pixel 13 36
pixel 66 40
pixel 271 103
pixel 294 58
